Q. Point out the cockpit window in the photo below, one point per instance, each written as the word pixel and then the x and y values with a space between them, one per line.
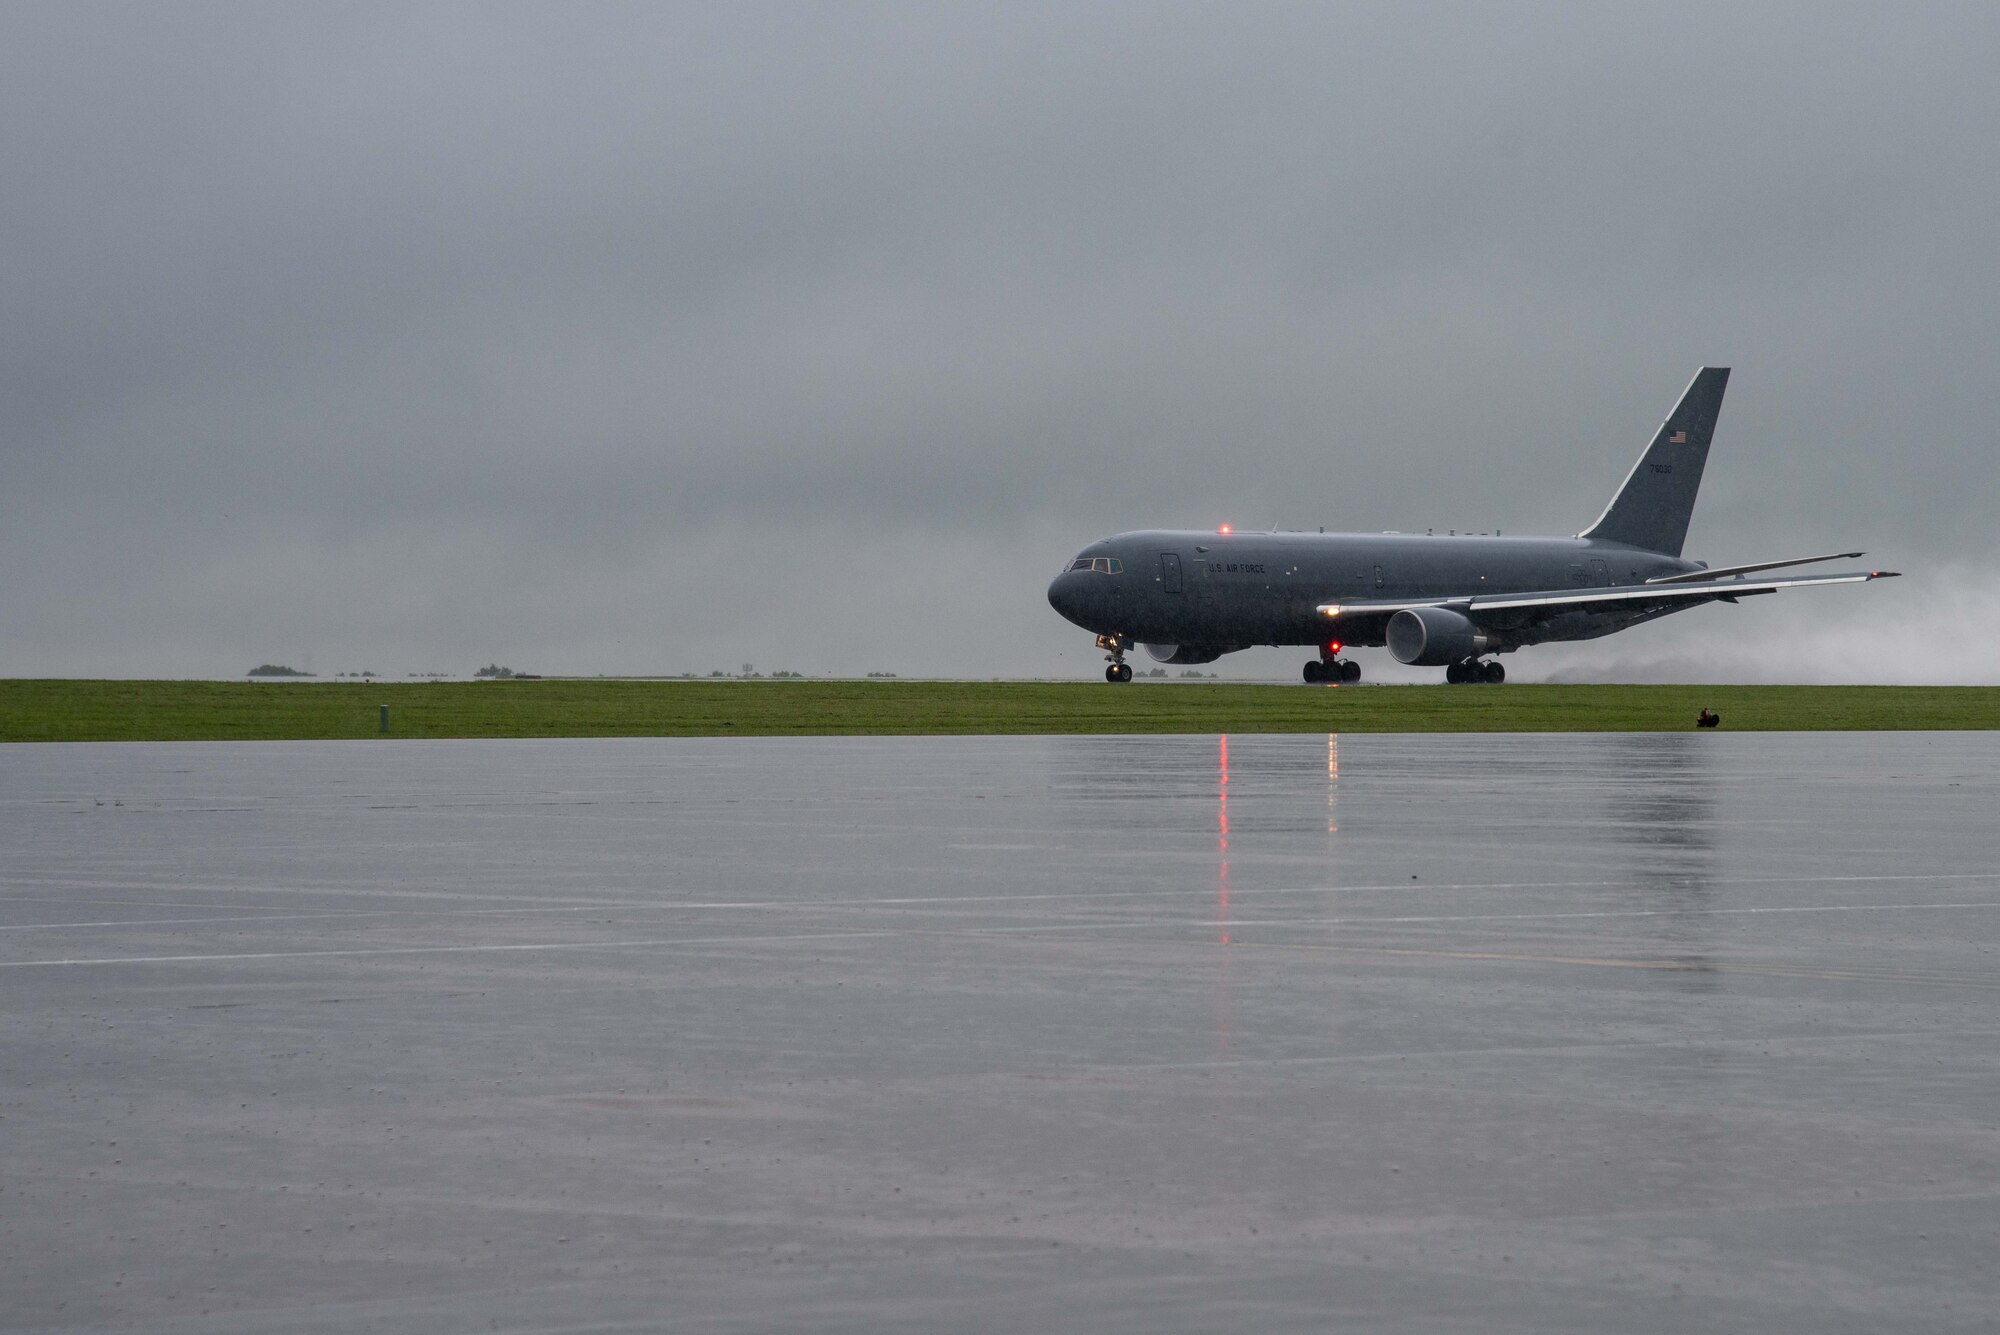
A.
pixel 1103 565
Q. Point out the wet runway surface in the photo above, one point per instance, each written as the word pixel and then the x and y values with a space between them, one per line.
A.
pixel 1640 1033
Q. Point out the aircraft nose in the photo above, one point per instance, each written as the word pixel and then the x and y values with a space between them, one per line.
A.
pixel 1066 597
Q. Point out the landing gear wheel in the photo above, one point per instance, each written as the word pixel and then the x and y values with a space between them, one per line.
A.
pixel 1332 670
pixel 1115 647
pixel 1455 674
pixel 1492 673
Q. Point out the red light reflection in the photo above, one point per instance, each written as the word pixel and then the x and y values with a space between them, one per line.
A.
pixel 1332 780
pixel 1222 834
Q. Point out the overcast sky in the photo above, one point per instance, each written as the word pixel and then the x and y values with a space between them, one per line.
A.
pixel 651 338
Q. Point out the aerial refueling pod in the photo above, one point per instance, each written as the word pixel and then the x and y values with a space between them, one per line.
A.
pixel 1184 653
pixel 1434 637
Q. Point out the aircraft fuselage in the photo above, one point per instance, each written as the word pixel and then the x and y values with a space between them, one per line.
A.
pixel 1229 591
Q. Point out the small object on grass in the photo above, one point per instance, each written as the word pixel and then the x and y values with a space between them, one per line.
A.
pixel 385 718
pixel 1707 718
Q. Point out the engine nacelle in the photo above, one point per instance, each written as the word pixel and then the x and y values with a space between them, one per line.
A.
pixel 1184 653
pixel 1434 636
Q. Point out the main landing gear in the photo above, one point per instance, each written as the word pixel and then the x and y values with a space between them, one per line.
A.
pixel 1318 670
pixel 1115 647
pixel 1468 670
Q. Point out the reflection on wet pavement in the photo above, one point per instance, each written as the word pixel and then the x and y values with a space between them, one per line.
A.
pixel 1662 1032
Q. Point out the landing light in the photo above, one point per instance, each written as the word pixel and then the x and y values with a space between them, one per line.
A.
pixel 1330 610
pixel 1223 529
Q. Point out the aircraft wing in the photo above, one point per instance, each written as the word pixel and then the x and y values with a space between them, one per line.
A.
pixel 1614 597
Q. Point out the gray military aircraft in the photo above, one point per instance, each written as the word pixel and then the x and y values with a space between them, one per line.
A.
pixel 1435 601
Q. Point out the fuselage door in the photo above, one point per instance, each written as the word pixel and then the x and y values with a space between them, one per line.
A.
pixel 1600 572
pixel 1170 572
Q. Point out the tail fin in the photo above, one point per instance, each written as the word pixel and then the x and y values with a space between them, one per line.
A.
pixel 1652 509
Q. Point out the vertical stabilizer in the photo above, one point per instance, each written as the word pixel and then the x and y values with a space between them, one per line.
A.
pixel 1652 509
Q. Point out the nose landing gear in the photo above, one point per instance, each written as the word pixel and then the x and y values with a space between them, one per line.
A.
pixel 1115 647
pixel 1469 670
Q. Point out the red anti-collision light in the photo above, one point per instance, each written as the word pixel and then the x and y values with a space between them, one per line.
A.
pixel 1333 646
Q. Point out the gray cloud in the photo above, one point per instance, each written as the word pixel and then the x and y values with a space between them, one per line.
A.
pixel 637 338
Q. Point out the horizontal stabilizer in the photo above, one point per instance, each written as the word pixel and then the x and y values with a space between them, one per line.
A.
pixel 1697 576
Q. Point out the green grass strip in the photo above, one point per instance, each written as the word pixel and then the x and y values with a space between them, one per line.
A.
pixel 75 711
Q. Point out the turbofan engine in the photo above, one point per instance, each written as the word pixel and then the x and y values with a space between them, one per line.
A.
pixel 1184 653
pixel 1435 637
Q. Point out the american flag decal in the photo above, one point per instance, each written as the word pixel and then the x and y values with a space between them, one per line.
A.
pixel 1678 438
